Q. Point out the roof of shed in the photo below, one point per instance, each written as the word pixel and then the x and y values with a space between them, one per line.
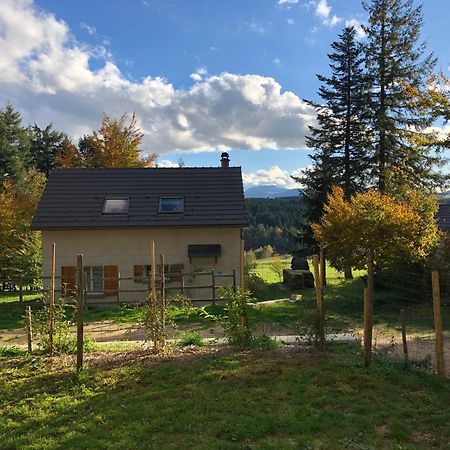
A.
pixel 74 198
pixel 443 217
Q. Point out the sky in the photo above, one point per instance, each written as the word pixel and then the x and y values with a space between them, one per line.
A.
pixel 202 76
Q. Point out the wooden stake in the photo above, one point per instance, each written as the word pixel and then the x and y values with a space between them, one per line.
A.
pixel 29 330
pixel 323 266
pixel 319 301
pixel 213 290
pixel 403 326
pixel 153 292
pixel 80 312
pixel 21 293
pixel 163 304
pixel 440 367
pixel 241 272
pixel 52 301
pixel 368 311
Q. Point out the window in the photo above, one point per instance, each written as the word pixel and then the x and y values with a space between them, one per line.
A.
pixel 116 206
pixel 94 279
pixel 171 205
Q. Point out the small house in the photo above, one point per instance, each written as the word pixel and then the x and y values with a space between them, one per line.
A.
pixel 195 216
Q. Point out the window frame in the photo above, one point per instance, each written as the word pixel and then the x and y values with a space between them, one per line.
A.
pixel 89 278
pixel 115 213
pixel 171 212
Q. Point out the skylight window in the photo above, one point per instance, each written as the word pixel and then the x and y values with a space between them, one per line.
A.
pixel 116 206
pixel 171 205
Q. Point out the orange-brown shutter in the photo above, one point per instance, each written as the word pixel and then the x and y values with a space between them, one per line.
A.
pixel 68 275
pixel 176 269
pixel 138 273
pixel 111 279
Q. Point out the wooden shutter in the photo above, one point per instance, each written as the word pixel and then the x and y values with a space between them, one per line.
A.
pixel 138 273
pixel 111 279
pixel 176 269
pixel 68 284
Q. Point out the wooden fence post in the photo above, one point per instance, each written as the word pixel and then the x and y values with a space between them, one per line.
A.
pixel 242 263
pixel 440 368
pixel 213 282
pixel 80 312
pixel 319 301
pixel 234 280
pixel 29 330
pixel 118 288
pixel 368 311
pixel 403 327
pixel 153 293
pixel 323 266
pixel 163 304
pixel 52 301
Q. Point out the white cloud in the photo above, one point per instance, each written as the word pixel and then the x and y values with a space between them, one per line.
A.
pixel 48 75
pixel 357 25
pixel 287 2
pixel 290 21
pixel 199 74
pixel 323 11
pixel 165 163
pixel 274 176
pixel 90 30
pixel 255 26
pixel 277 62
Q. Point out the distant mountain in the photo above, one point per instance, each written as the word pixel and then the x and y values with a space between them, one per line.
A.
pixel 270 191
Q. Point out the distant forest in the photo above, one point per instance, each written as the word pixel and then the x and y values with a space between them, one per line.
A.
pixel 273 222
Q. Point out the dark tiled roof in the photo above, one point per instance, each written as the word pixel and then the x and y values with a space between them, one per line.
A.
pixel 74 198
pixel 443 217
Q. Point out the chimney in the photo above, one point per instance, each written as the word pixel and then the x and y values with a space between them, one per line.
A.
pixel 225 160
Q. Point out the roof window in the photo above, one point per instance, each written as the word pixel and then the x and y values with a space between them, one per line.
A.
pixel 171 205
pixel 116 206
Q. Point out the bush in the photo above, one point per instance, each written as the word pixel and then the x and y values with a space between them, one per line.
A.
pixel 191 338
pixel 255 284
pixel 12 352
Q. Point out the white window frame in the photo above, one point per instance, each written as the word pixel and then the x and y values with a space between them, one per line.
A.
pixel 90 280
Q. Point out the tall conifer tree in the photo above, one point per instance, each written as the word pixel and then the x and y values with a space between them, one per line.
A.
pixel 342 139
pixel 396 59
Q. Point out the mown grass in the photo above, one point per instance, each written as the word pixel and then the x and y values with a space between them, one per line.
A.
pixel 254 400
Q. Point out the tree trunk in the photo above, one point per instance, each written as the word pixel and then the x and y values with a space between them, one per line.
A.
pixel 348 275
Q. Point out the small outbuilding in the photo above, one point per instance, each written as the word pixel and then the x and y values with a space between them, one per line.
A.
pixel 195 216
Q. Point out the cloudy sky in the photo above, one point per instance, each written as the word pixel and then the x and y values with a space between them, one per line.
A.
pixel 203 76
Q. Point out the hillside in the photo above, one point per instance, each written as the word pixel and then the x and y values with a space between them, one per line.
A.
pixel 270 191
pixel 272 222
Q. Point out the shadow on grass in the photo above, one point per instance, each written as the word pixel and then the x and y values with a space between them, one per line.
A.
pixel 277 399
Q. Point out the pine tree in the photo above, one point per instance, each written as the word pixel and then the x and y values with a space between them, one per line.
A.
pixel 14 146
pixel 45 145
pixel 342 139
pixel 395 59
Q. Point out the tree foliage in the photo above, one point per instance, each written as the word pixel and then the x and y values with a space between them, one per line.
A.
pixel 115 145
pixel 395 230
pixel 395 58
pixel 342 140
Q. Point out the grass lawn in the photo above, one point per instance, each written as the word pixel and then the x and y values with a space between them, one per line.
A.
pixel 278 399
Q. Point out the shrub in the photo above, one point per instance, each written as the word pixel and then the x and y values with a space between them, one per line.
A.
pixel 191 338
pixel 12 352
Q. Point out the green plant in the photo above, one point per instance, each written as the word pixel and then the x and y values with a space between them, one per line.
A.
pixel 63 319
pixel 12 352
pixel 264 342
pixel 237 318
pixel 191 338
pixel 277 265
pixel 156 317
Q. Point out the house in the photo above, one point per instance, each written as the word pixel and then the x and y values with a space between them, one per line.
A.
pixel 195 216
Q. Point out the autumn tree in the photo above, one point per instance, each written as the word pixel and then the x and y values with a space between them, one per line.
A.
pixel 116 144
pixel 19 246
pixel 394 230
pixel 395 57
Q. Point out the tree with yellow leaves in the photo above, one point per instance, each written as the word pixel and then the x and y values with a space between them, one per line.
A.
pixel 117 144
pixel 394 230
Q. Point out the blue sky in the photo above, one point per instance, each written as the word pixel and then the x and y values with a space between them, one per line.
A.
pixel 203 75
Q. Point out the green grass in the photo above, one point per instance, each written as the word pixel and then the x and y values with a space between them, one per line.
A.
pixel 253 400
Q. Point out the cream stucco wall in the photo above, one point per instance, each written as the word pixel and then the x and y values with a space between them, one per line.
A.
pixel 128 247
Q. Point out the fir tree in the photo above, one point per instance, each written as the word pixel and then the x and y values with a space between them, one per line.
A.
pixel 395 59
pixel 342 139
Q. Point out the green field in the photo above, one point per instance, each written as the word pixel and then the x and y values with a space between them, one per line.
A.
pixel 276 399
